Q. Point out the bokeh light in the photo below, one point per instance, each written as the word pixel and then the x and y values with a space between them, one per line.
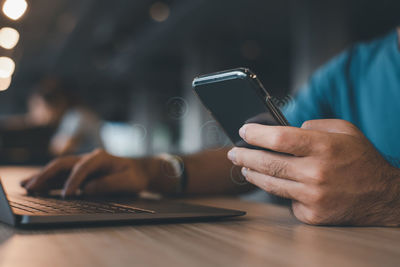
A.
pixel 5 83
pixel 7 67
pixel 14 9
pixel 8 37
pixel 159 11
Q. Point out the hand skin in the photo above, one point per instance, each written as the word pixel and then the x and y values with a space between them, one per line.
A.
pixel 332 173
pixel 95 173
pixel 99 173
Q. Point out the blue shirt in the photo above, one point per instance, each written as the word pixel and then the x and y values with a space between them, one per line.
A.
pixel 362 86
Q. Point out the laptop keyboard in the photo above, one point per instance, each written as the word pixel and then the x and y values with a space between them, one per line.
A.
pixel 49 206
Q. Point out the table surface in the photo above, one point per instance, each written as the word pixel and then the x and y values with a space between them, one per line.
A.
pixel 267 236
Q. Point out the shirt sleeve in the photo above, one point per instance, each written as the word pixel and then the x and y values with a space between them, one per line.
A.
pixel 316 99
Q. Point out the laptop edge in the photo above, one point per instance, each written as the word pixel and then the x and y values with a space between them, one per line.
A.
pixel 164 210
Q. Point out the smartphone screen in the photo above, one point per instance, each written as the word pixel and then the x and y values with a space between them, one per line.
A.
pixel 235 98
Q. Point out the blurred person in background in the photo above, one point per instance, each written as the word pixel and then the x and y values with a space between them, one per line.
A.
pixel 338 163
pixel 53 104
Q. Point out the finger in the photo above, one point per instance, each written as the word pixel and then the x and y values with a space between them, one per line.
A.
pixel 89 164
pixel 285 139
pixel 113 183
pixel 55 182
pixel 270 163
pixel 25 181
pixel 276 186
pixel 40 181
pixel 332 126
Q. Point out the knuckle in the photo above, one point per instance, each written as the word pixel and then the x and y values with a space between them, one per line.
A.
pixel 345 123
pixel 305 144
pixel 273 168
pixel 278 138
pixel 319 175
pixel 307 125
pixel 328 147
pixel 268 186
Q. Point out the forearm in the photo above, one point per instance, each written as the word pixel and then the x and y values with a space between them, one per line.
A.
pixel 208 172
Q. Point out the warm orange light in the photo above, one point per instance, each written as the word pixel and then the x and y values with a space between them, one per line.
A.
pixel 8 37
pixel 159 11
pixel 5 83
pixel 7 67
pixel 14 9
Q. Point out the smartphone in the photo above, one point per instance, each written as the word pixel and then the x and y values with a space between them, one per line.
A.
pixel 236 97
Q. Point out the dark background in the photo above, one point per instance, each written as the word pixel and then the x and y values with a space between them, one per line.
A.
pixel 127 66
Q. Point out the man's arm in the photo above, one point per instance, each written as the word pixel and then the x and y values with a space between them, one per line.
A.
pixel 208 172
pixel 325 95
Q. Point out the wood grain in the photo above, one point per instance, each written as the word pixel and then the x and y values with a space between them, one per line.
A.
pixel 268 236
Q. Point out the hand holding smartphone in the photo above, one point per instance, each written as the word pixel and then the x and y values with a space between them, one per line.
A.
pixel 236 97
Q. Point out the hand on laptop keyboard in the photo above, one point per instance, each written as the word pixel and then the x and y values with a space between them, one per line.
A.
pixel 94 173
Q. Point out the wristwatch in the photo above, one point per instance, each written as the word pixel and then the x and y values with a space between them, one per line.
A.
pixel 175 168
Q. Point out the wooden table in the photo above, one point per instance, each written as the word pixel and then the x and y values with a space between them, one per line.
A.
pixel 268 236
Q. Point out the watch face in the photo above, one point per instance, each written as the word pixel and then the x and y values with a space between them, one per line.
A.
pixel 172 165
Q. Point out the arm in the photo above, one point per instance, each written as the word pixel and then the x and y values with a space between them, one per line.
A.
pixel 325 95
pixel 208 172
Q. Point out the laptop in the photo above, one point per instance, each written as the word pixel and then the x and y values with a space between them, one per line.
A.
pixel 22 210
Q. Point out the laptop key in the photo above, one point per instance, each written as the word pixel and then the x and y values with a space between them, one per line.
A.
pixel 25 207
pixel 56 206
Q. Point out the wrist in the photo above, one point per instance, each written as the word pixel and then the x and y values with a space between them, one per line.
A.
pixel 161 175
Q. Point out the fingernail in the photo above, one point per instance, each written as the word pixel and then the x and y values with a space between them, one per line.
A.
pixel 244 172
pixel 242 132
pixel 232 155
